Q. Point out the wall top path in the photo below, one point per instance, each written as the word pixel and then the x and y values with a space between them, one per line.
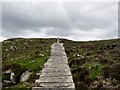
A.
pixel 56 73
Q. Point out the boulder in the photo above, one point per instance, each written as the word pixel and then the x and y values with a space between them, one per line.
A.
pixel 7 71
pixel 6 83
pixel 25 76
pixel 12 79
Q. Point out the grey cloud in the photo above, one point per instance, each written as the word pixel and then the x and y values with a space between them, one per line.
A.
pixel 92 15
pixel 36 16
pixel 59 32
pixel 55 19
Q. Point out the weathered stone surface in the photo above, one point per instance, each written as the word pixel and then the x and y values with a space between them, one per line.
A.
pixel 6 83
pixel 55 70
pixel 25 76
pixel 56 73
pixel 8 71
pixel 57 85
pixel 55 79
pixel 58 66
pixel 45 88
pixel 12 78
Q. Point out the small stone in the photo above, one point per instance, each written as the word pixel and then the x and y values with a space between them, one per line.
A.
pixel 78 55
pixel 12 77
pixel 6 49
pixel 11 47
pixel 33 61
pixel 41 55
pixel 25 76
pixel 7 72
pixel 38 74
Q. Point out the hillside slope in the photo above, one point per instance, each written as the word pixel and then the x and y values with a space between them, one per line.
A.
pixel 93 64
pixel 19 50
pixel 20 55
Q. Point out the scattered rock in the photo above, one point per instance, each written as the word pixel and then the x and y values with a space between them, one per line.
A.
pixel 6 49
pixel 78 55
pixel 33 61
pixel 12 78
pixel 7 71
pixel 11 47
pixel 6 83
pixel 41 55
pixel 6 41
pixel 25 76
pixel 47 50
pixel 38 74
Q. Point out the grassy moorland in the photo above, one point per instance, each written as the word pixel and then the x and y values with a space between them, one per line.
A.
pixel 22 55
pixel 29 53
pixel 94 64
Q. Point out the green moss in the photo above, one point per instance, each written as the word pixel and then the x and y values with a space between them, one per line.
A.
pixel 29 63
pixel 20 86
pixel 95 70
pixel 96 73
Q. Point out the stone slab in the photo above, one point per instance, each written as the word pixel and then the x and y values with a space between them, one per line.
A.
pixel 56 73
pixel 55 79
pixel 57 85
pixel 42 88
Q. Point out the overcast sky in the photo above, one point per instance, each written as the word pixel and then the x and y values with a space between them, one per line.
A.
pixel 71 20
